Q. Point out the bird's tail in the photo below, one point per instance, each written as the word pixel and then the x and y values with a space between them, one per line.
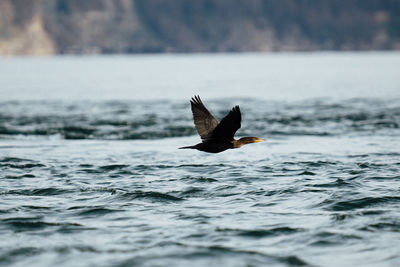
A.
pixel 188 147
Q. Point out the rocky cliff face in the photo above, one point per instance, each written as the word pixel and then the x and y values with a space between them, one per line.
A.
pixel 39 27
pixel 97 26
pixel 22 32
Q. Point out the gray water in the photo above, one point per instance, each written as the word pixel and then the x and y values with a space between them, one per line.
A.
pixel 90 173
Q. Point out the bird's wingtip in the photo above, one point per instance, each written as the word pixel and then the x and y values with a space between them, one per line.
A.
pixel 196 100
pixel 236 108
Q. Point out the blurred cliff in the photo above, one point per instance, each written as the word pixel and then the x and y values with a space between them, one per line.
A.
pixel 40 27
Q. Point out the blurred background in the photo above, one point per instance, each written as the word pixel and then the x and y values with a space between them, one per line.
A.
pixel 47 27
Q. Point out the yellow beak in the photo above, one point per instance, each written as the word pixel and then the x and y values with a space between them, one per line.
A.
pixel 260 140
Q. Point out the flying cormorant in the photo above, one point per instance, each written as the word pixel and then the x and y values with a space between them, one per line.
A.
pixel 217 137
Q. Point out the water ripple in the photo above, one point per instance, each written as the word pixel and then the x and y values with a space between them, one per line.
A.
pixel 322 190
pixel 107 122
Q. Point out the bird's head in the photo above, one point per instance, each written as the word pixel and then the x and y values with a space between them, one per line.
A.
pixel 250 139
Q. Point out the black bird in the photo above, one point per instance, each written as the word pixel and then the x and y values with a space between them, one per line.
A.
pixel 217 137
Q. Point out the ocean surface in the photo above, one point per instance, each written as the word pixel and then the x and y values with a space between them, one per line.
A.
pixel 90 173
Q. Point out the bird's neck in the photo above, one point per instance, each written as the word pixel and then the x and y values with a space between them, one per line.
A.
pixel 243 141
pixel 236 143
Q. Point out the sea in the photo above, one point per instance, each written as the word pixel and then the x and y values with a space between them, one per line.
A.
pixel 91 173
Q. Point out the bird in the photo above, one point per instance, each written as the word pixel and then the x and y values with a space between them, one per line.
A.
pixel 217 137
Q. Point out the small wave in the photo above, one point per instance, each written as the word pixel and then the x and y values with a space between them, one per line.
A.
pixel 362 203
pixel 182 254
pixel 93 171
pixel 84 165
pixel 101 189
pixel 94 211
pixel 113 167
pixel 290 259
pixel 27 224
pixel 19 163
pixel 198 165
pixel 326 238
pixel 28 175
pixel 77 248
pixel 309 173
pixel 193 192
pixel 335 184
pixel 260 233
pixel 386 226
pixel 317 163
pixel 292 132
pixel 24 166
pixel 388 177
pixel 200 179
pixel 153 166
pixel 50 191
pixel 12 255
pixel 32 207
pixel 150 195
pixel 13 160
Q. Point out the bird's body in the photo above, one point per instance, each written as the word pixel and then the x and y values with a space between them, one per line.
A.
pixel 211 146
pixel 217 137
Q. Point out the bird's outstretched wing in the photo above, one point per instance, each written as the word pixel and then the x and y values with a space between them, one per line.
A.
pixel 228 126
pixel 204 122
